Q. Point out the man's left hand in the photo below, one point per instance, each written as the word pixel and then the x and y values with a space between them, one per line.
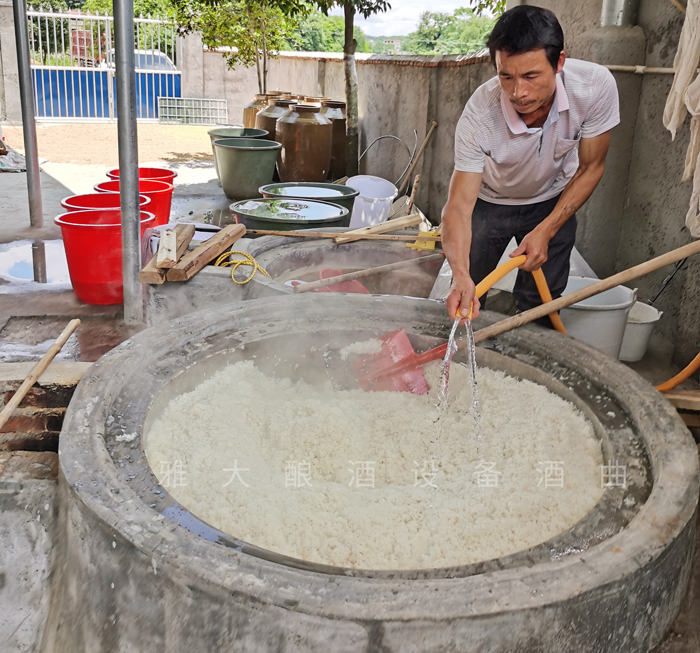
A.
pixel 534 246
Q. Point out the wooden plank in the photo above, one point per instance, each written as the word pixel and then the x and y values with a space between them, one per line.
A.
pixel 151 274
pixel 381 228
pixel 167 249
pixel 155 276
pixel 183 234
pixel 194 261
pixel 686 399
pixel 691 419
pixel 334 234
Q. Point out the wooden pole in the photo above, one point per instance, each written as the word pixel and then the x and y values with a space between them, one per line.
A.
pixel 331 281
pixel 330 234
pixel 424 144
pixel 37 371
pixel 584 293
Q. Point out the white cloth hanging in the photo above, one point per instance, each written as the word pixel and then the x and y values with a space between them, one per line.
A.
pixel 691 98
pixel 685 64
pixel 685 96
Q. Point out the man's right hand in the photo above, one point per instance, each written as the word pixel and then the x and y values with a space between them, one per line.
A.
pixel 462 296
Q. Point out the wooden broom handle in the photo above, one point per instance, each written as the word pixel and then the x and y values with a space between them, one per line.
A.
pixel 331 281
pixel 584 293
pixel 37 371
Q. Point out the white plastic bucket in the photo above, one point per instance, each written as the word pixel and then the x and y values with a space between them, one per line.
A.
pixel 640 325
pixel 374 202
pixel 600 320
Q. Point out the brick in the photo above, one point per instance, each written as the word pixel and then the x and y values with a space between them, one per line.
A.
pixel 37 423
pixel 53 396
pixel 45 441
pixel 28 465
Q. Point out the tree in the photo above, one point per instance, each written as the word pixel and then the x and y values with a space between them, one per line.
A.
pixel 366 8
pixel 441 33
pixel 254 30
pixel 321 33
pixel 46 42
pixel 493 7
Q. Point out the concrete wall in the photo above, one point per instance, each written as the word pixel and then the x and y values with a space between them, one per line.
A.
pixel 10 109
pixel 397 95
pixel 636 216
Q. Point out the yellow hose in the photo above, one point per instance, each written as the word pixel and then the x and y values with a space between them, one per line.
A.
pixel 546 296
pixel 693 367
pixel 483 286
pixel 234 264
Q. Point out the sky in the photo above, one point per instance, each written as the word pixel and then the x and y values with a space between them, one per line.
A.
pixel 403 16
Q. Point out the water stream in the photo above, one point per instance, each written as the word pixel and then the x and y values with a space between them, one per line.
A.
pixel 443 393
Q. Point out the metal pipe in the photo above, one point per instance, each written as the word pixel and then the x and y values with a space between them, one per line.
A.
pixel 39 261
pixel 31 151
pixel 619 13
pixel 128 159
pixel 641 70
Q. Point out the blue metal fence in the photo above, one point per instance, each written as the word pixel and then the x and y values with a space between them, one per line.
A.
pixel 89 93
pixel 73 65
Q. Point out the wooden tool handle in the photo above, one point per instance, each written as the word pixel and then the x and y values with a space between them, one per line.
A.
pixel 37 371
pixel 334 234
pixel 424 144
pixel 584 293
pixel 331 281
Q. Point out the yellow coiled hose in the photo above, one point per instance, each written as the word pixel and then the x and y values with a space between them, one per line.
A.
pixel 485 285
pixel 501 271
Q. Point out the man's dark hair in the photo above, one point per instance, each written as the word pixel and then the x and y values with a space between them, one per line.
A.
pixel 525 28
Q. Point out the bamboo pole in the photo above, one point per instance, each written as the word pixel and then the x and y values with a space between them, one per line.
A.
pixel 584 293
pixel 331 281
pixel 37 371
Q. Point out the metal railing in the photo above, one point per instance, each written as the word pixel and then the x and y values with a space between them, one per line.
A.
pixel 73 64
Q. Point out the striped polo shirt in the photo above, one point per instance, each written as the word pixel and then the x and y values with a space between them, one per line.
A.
pixel 523 165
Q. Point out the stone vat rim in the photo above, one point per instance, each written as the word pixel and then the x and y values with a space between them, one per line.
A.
pixel 189 556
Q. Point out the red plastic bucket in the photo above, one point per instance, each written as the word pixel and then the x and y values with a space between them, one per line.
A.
pixel 98 201
pixel 93 243
pixel 161 174
pixel 160 192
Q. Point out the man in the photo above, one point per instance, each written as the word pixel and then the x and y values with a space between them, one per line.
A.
pixel 530 149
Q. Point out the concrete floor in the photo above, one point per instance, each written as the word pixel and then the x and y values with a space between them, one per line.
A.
pixel 31 317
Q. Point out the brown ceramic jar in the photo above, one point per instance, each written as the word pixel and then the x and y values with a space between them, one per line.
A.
pixel 267 118
pixel 306 138
pixel 251 110
pixel 335 112
pixel 310 99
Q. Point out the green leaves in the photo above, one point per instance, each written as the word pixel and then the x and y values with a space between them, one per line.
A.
pixel 493 7
pixel 321 33
pixel 441 33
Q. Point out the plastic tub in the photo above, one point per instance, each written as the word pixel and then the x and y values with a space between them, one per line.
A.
pixel 333 193
pixel 289 214
pixel 93 242
pixel 374 202
pixel 99 201
pixel 160 193
pixel 245 164
pixel 162 174
pixel 233 132
pixel 600 320
pixel 640 325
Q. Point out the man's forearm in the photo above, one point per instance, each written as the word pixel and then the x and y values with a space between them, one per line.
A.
pixel 456 239
pixel 575 195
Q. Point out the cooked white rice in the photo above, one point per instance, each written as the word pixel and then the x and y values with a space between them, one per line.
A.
pixel 273 429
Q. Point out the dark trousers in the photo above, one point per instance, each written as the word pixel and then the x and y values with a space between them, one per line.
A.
pixel 493 225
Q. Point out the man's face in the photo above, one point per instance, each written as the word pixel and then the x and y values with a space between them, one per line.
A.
pixel 528 78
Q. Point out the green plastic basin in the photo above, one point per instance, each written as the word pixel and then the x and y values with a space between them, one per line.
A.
pixel 335 193
pixel 245 164
pixel 290 214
